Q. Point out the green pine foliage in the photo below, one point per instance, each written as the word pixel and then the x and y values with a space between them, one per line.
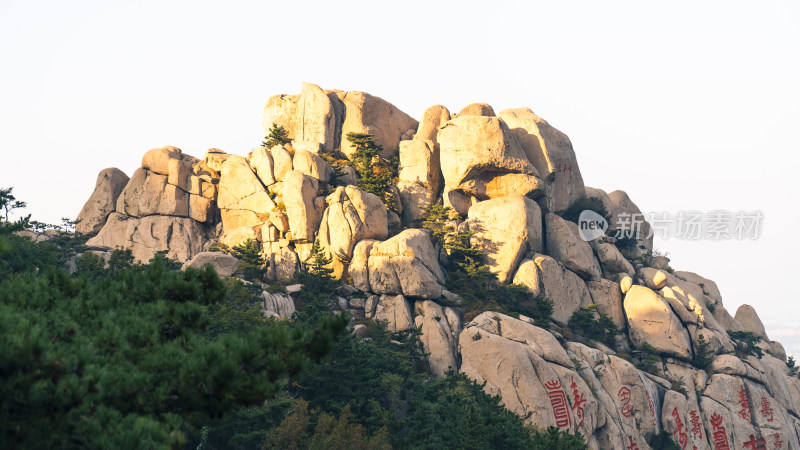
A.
pixel 276 136
pixel 746 344
pixel 376 174
pixel 251 261
pixel 315 299
pixel 594 325
pixel 663 441
pixel 8 202
pixel 702 354
pixel 472 280
pixel 139 354
pixel 790 363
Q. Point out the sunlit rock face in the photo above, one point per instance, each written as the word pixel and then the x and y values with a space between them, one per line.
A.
pixel 679 361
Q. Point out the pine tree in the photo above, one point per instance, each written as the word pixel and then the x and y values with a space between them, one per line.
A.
pixel 276 136
pixel 376 174
pixel 251 261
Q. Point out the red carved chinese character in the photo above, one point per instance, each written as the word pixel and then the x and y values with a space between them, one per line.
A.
pixel 756 444
pixel 558 401
pixel 744 402
pixel 652 408
pixel 720 435
pixel 766 410
pixel 633 445
pixel 624 394
pixel 697 427
pixel 578 401
pixel 778 443
pixel 683 438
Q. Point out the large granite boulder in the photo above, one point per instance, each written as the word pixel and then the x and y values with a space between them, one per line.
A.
pixel 564 243
pixel 747 316
pixel 351 215
pixel 180 237
pixel 224 264
pixel 551 152
pixel 544 275
pixel 627 220
pixel 440 326
pixel 504 229
pixel 303 208
pixel 365 113
pixel 433 119
pixel 405 264
pixel 243 201
pixel 110 183
pixel 420 177
pixel 477 149
pixel 308 116
pixel 652 321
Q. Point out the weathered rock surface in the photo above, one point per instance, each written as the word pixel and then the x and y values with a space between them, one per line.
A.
pixel 395 311
pixel 420 177
pixel 440 329
pixel 628 219
pixel 224 264
pixel 551 152
pixel 309 116
pixel 473 145
pixel 351 215
pixel 180 237
pixel 477 109
pixel 433 119
pixel 607 295
pixel 243 201
pixel 406 264
pixel 303 211
pixel 102 202
pixel 652 321
pixel 365 113
pixel 564 288
pixel 504 230
pixel 277 304
pixel 526 366
pixel 565 244
pixel 746 315
pixel 612 261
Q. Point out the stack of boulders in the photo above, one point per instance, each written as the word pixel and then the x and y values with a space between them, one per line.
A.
pixel 168 205
pixel 511 178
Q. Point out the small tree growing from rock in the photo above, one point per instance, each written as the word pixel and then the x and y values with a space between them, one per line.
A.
pixel 251 261
pixel 276 136
pixel 376 174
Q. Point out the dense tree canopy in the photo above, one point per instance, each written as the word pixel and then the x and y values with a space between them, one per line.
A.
pixel 138 354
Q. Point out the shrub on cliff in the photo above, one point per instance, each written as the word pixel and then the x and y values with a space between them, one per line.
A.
pixel 376 174
pixel 275 136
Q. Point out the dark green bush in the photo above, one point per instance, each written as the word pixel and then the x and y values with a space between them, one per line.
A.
pixel 746 344
pixel 588 322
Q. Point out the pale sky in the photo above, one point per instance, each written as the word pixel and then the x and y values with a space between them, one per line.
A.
pixel 684 105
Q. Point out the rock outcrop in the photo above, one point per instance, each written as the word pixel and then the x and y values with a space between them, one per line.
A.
pixel 224 264
pixel 406 264
pixel 102 202
pixel 676 364
pixel 504 229
pixel 474 151
pixel 551 152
